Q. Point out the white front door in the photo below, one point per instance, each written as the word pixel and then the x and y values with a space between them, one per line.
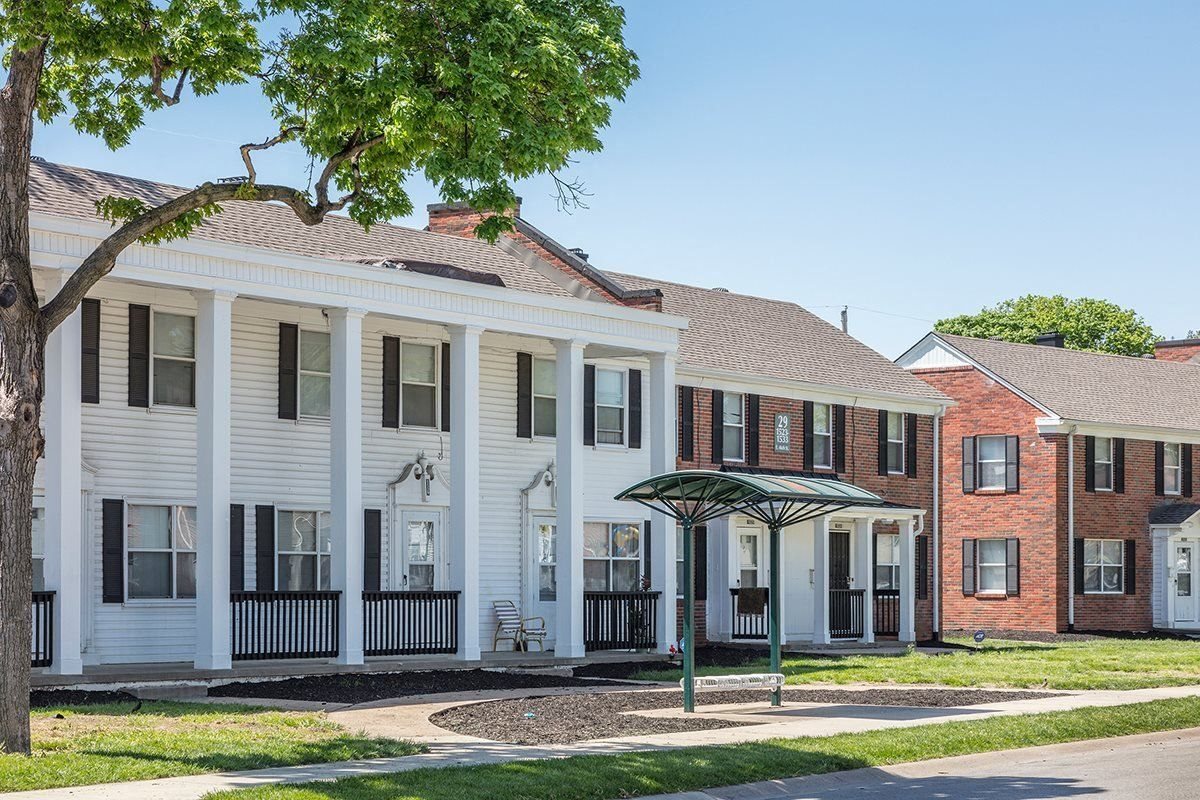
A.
pixel 544 570
pixel 1184 565
pixel 751 569
pixel 420 549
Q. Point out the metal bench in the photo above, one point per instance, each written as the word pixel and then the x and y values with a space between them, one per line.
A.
pixel 757 680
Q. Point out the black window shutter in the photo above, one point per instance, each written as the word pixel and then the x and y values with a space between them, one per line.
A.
pixel 445 386
pixel 589 404
pixel 1159 463
pixel 237 547
pixel 1185 460
pixel 883 442
pixel 647 551
pixel 700 551
pixel 289 341
pixel 968 464
pixel 968 567
pixel 922 567
pixel 391 382
pixel 372 548
pixel 910 445
pixel 139 356
pixel 809 442
pixel 1130 566
pixel 524 396
pixel 1118 467
pixel 264 548
pixel 1079 566
pixel 687 423
pixel 1012 572
pixel 635 408
pixel 718 426
pixel 89 349
pixel 112 555
pixel 752 427
pixel 1012 464
pixel 839 438
pixel 1089 463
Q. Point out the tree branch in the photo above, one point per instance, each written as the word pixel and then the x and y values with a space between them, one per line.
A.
pixel 283 136
pixel 158 66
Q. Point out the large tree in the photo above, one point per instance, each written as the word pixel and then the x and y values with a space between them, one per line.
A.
pixel 470 94
pixel 1086 323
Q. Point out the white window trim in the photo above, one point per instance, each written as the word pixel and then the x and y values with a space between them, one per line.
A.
pixel 1120 549
pixel 741 427
pixel 318 553
pixel 610 559
pixel 624 443
pixel 1098 461
pixel 1177 469
pixel 171 407
pixel 901 441
pixel 979 566
pixel 826 434
pixel 300 371
pixel 154 601
pixel 980 461
pixel 437 383
pixel 534 395
pixel 538 521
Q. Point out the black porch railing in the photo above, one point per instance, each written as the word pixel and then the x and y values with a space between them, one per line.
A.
pixel 887 612
pixel 42 617
pixel 620 620
pixel 410 623
pixel 749 626
pixel 846 613
pixel 276 625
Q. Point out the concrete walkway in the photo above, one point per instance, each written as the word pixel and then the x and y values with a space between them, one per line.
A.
pixel 408 718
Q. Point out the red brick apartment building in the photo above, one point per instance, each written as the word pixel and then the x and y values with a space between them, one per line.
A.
pixel 1066 483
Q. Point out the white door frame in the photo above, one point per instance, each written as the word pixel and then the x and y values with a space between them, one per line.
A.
pixel 398 554
pixel 1173 545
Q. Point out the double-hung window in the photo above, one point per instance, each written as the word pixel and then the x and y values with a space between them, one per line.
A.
pixel 303 545
pixel 39 550
pixel 419 384
pixel 1172 468
pixel 610 406
pixel 887 561
pixel 1102 471
pixel 612 555
pixel 822 437
pixel 174 350
pixel 993 563
pixel 733 426
pixel 1103 566
pixel 992 462
pixel 160 545
pixel 313 388
pixel 895 443
pixel 545 392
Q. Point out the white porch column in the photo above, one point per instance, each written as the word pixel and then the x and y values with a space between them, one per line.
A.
pixel 570 482
pixel 464 484
pixel 214 352
pixel 64 512
pixel 908 582
pixel 345 478
pixel 864 546
pixel 821 580
pixel 662 459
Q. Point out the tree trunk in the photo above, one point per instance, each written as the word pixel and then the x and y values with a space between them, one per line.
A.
pixel 22 358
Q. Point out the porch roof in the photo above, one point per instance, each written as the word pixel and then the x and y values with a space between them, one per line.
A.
pixel 1173 514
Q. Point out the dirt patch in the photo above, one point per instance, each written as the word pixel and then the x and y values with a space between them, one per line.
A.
pixel 367 686
pixel 56 698
pixel 577 718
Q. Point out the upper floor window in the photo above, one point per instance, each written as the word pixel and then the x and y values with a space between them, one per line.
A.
pixel 612 557
pixel 822 437
pixel 160 545
pixel 419 382
pixel 887 561
pixel 610 406
pixel 992 462
pixel 173 347
pixel 303 545
pixel 895 443
pixel 1102 470
pixel 545 392
pixel 39 550
pixel 313 387
pixel 1172 468
pixel 733 421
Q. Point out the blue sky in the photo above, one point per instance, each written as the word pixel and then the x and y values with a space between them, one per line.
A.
pixel 915 159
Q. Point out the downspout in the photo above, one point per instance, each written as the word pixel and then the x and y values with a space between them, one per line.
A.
pixel 1071 529
pixel 935 531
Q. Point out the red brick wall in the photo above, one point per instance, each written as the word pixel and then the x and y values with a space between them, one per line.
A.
pixel 1180 350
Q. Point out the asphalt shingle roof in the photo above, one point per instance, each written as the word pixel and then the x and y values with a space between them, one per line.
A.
pixel 776 339
pixel 1093 387
pixel 1172 513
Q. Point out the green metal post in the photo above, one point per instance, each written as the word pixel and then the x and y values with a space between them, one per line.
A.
pixel 689 617
pixel 773 602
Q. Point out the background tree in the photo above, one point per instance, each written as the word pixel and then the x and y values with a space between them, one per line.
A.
pixel 471 94
pixel 1085 323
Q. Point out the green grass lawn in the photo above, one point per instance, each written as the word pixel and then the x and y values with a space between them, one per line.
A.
pixel 1091 664
pixel 634 774
pixel 107 743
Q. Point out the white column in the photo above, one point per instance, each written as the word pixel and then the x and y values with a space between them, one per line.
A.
pixel 64 512
pixel 345 478
pixel 662 459
pixel 864 546
pixel 908 582
pixel 464 484
pixel 570 482
pixel 214 351
pixel 821 580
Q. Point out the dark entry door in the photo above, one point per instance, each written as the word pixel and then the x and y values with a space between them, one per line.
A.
pixel 839 559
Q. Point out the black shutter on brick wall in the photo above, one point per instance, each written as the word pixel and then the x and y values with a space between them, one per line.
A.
pixel 1012 571
pixel 1078 566
pixel 589 404
pixel 289 341
pixel 391 382
pixel 687 423
pixel 524 396
pixel 752 429
pixel 372 549
pixel 264 548
pixel 1185 461
pixel 635 409
pixel 1089 464
pixel 237 547
pixel 1118 467
pixel 1159 463
pixel 445 386
pixel 968 464
pixel 718 426
pixel 700 551
pixel 89 350
pixel 1012 464
pixel 139 356
pixel 910 445
pixel 922 567
pixel 809 442
pixel 839 439
pixel 968 567
pixel 112 551
pixel 1130 566
pixel 883 442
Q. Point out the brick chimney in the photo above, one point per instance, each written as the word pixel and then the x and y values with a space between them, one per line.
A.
pixel 1184 350
pixel 458 219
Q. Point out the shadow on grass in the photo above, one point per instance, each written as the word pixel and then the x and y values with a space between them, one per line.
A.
pixel 246 757
pixel 155 708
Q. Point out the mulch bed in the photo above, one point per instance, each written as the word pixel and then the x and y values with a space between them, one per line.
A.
pixel 711 656
pixel 362 687
pixel 579 717
pixel 54 698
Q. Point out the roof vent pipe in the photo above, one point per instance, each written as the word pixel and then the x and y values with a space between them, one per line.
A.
pixel 720 289
pixel 578 251
pixel 1049 339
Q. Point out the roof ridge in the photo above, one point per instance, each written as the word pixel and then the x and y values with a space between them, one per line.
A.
pixel 665 282
pixel 1073 350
